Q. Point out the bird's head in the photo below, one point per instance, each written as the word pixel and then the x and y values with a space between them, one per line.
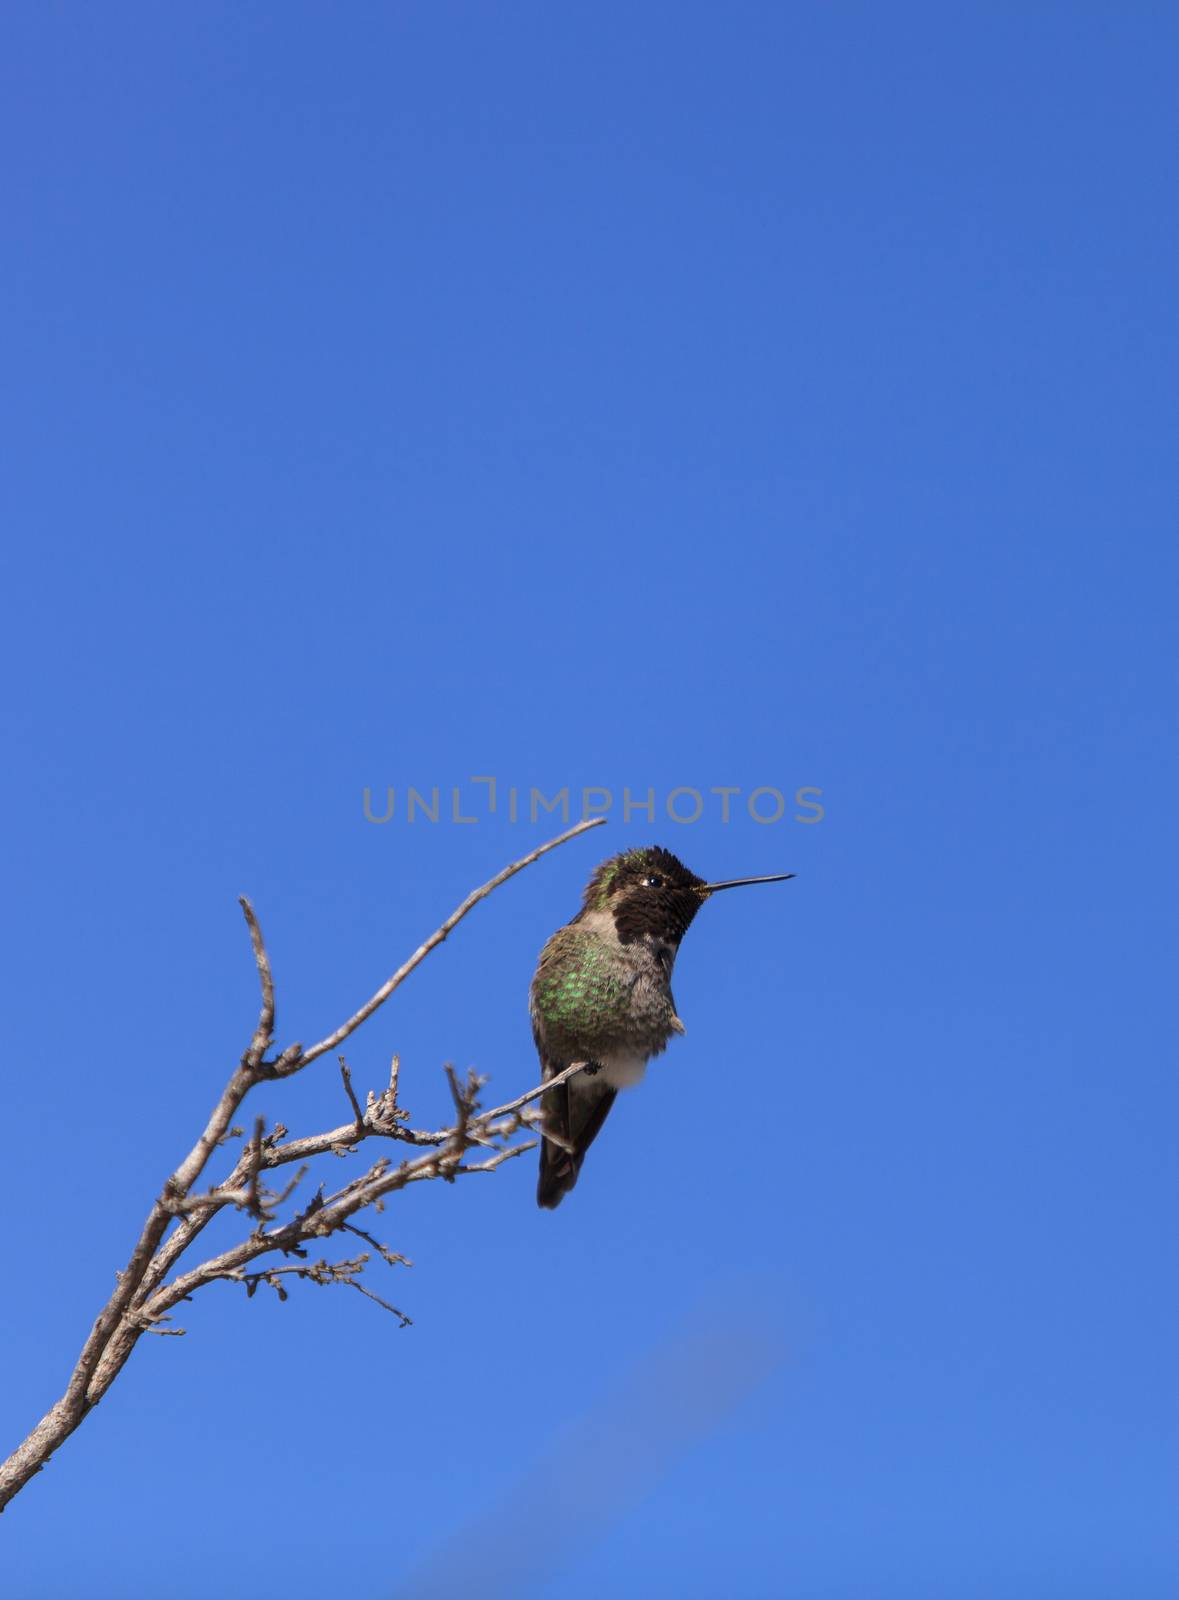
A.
pixel 652 895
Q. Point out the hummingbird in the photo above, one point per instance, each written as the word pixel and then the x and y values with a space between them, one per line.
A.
pixel 601 994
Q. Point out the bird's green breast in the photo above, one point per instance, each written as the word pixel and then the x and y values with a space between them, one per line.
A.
pixel 593 996
pixel 578 983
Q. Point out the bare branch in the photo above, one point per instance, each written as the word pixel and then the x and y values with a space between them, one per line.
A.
pixel 391 1256
pixel 380 1181
pixel 352 1100
pixel 534 1094
pixel 264 1032
pixel 499 1158
pixel 355 1283
pixel 254 1166
pixel 143 1296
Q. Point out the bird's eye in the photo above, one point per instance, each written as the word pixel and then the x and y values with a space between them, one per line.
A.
pixel 653 881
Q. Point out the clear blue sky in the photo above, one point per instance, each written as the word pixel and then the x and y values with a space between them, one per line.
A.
pixel 668 395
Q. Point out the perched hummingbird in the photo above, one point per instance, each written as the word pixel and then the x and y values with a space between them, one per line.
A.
pixel 601 993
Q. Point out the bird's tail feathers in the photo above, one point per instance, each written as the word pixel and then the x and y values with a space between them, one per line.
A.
pixel 572 1123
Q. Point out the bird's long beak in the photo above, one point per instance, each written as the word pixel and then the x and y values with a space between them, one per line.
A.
pixel 737 883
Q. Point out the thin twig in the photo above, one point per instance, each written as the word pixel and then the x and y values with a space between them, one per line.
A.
pixel 391 1256
pixel 346 1075
pixel 534 1094
pixel 255 1166
pixel 264 1032
pixel 436 938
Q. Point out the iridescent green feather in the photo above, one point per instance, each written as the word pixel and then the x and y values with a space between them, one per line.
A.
pixel 578 986
pixel 598 889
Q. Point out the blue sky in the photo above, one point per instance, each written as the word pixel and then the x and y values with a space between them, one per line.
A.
pixel 671 396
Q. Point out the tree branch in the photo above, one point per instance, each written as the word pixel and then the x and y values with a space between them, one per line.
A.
pixel 264 1032
pixel 143 1295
